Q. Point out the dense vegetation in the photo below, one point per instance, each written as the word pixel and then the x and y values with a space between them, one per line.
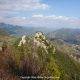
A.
pixel 34 61
pixel 29 60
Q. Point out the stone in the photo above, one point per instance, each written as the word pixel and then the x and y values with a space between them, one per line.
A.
pixel 23 41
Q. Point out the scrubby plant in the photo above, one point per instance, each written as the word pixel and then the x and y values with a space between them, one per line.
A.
pixel 31 60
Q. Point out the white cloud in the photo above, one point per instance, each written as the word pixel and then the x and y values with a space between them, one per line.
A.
pixel 39 15
pixel 9 8
pixel 52 17
pixel 43 21
pixel 17 5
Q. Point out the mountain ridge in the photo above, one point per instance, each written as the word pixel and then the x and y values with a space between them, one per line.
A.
pixel 67 34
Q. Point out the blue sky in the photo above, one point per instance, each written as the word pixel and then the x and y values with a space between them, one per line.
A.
pixel 41 13
pixel 64 7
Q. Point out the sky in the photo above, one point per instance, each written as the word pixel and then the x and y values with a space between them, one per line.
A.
pixel 41 13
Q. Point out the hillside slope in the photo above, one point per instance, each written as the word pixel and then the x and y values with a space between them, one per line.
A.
pixel 13 29
pixel 39 57
pixel 3 32
pixel 21 30
pixel 67 34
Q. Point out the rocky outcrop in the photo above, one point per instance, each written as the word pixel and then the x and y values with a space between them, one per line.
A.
pixel 41 41
pixel 23 41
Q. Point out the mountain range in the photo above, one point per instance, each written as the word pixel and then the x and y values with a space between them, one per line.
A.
pixel 69 35
pixel 21 30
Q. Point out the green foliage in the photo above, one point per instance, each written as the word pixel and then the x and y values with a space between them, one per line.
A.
pixel 69 68
pixel 31 60
pixel 36 60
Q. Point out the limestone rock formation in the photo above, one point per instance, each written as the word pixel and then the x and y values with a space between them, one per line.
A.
pixel 23 41
pixel 40 40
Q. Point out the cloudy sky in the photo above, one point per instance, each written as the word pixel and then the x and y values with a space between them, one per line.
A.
pixel 41 13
